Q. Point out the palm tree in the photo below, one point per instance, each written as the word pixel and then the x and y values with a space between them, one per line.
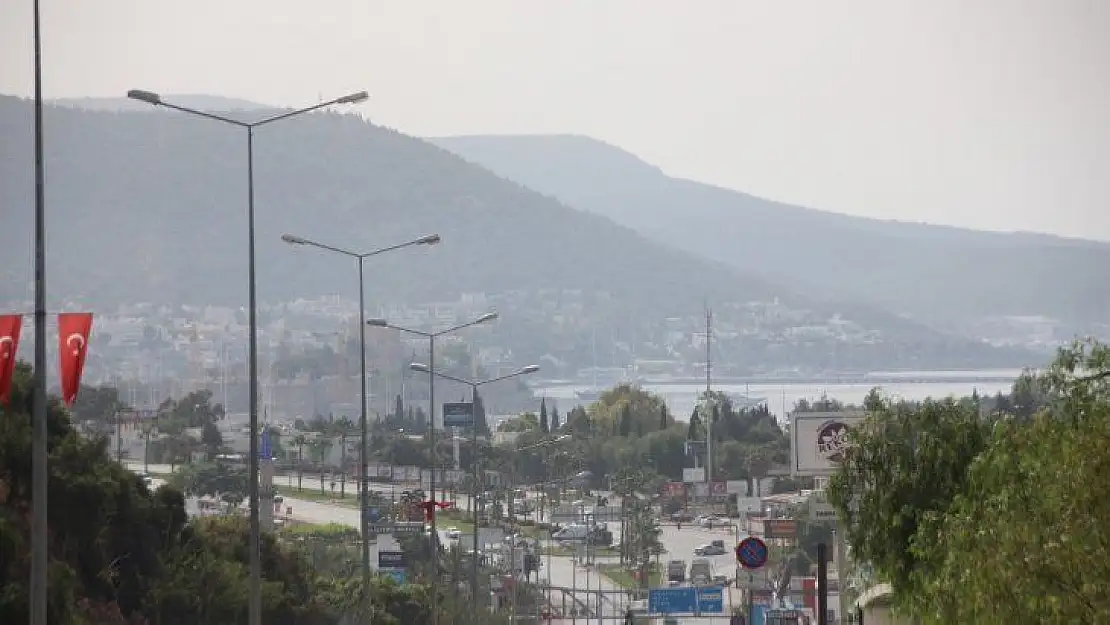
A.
pixel 319 448
pixel 300 441
pixel 345 428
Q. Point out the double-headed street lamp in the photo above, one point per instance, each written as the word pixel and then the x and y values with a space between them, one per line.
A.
pixel 431 336
pixel 512 487
pixel 364 452
pixel 254 601
pixel 474 384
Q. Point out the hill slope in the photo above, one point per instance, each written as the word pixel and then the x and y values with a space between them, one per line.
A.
pixel 935 274
pixel 150 206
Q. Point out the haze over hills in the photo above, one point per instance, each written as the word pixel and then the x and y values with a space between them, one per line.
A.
pixel 194 101
pixel 150 206
pixel 944 276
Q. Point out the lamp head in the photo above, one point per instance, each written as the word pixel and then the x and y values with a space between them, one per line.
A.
pixel 530 369
pixel 419 366
pixel 293 239
pixel 490 316
pixel 145 96
pixel 431 239
pixel 378 323
pixel 354 98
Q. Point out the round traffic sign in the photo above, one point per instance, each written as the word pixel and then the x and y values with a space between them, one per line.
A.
pixel 751 553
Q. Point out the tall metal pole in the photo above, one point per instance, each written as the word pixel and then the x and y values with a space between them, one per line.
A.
pixel 474 493
pixel 432 482
pixel 254 597
pixel 39 557
pixel 119 437
pixel 708 388
pixel 364 450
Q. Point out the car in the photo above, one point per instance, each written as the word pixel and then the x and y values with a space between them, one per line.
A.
pixel 453 533
pixel 714 548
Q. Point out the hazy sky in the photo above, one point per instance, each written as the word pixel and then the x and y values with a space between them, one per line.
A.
pixel 981 113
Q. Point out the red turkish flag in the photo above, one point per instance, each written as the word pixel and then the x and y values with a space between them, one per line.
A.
pixel 73 344
pixel 10 325
pixel 430 508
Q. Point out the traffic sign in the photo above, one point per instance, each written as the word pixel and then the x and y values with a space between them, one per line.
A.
pixel 711 600
pixel 391 559
pixel 686 600
pixel 672 600
pixel 397 528
pixel 751 553
pixel 397 575
pixel 458 415
pixel 265 449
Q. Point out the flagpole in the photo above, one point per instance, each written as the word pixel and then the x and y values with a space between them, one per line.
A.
pixel 39 554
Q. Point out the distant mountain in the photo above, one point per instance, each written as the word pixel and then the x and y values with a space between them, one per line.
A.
pixel 935 274
pixel 201 102
pixel 150 206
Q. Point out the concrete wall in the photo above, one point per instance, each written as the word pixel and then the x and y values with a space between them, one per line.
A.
pixel 875 603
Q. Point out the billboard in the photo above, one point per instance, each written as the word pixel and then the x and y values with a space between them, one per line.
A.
pixel 780 528
pixel 458 415
pixel 817 440
pixel 693 475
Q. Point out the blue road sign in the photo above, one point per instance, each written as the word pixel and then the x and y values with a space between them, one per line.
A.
pixel 711 600
pixel 265 450
pixel 687 600
pixel 751 553
pixel 682 600
pixel 458 415
pixel 398 576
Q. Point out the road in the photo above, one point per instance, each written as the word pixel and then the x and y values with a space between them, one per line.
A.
pixel 679 545
pixel 560 571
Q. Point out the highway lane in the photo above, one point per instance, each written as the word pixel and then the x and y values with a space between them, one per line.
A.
pixel 562 571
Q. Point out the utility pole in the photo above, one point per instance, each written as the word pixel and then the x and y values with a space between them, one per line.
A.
pixel 708 388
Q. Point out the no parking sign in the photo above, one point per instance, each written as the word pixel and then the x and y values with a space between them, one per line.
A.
pixel 751 553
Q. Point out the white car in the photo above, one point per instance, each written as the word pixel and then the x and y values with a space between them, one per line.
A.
pixel 453 533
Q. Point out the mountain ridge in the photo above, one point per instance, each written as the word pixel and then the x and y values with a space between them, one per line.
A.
pixel 151 207
pixel 883 262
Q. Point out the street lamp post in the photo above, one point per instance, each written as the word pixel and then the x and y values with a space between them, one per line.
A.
pixel 431 336
pixel 474 384
pixel 254 601
pixel 541 444
pixel 364 451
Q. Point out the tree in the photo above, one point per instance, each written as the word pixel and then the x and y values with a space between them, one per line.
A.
pixel 906 463
pixel 626 420
pixel 521 423
pixel 543 417
pixel 1024 542
pixel 212 439
pixel 693 432
pixel 480 421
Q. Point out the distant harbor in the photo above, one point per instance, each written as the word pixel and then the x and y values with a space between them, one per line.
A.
pixel 781 393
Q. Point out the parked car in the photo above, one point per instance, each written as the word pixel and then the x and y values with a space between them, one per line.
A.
pixel 676 571
pixel 453 533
